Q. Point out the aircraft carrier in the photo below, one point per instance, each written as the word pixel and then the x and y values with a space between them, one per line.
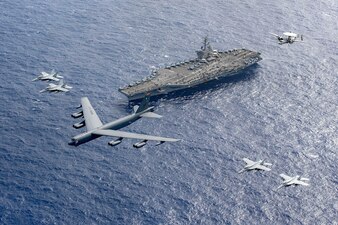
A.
pixel 209 65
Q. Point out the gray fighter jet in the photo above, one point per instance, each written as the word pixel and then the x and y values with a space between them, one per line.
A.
pixel 96 129
pixel 296 180
pixel 251 165
pixel 53 76
pixel 61 87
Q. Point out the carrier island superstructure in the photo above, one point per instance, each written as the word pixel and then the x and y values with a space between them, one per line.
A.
pixel 209 65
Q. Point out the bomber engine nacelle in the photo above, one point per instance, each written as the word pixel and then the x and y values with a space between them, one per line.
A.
pixel 140 144
pixel 79 125
pixel 77 114
pixel 115 142
pixel 159 143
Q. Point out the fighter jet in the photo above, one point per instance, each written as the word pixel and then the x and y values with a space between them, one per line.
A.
pixel 288 38
pixel 296 180
pixel 53 76
pixel 95 128
pixel 61 87
pixel 251 165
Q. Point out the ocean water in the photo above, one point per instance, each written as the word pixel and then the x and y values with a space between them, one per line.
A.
pixel 284 110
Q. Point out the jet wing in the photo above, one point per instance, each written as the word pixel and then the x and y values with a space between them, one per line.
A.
pixel 45 74
pixel 276 35
pixel 285 177
pixel 248 161
pixel 52 85
pixel 289 34
pixel 91 119
pixel 62 89
pixel 53 78
pixel 261 167
pixel 300 182
pixel 123 134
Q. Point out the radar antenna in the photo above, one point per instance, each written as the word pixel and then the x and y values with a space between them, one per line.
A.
pixel 205 49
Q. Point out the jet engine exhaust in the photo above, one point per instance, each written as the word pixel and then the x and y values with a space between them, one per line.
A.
pixel 140 144
pixel 115 142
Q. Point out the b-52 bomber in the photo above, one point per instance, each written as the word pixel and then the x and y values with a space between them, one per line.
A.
pixel 251 165
pixel 53 76
pixel 95 128
pixel 296 180
pixel 61 87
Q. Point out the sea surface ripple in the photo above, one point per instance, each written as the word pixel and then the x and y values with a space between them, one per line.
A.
pixel 283 110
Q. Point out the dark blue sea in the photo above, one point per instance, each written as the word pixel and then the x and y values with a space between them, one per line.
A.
pixel 284 110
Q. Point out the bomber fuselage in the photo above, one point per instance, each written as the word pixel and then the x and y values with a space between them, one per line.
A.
pixel 114 125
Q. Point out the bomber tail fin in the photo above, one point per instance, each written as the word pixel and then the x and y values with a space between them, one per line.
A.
pixel 143 106
pixel 135 108
pixel 151 115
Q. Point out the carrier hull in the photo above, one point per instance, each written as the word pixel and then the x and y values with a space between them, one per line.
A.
pixel 210 65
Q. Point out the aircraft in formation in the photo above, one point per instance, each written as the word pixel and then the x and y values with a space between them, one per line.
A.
pixel 261 165
pixel 52 76
pixel 95 128
pixel 296 180
pixel 252 165
pixel 288 38
pixel 60 87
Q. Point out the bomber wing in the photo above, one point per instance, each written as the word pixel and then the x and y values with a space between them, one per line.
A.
pixel 91 119
pixel 123 134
